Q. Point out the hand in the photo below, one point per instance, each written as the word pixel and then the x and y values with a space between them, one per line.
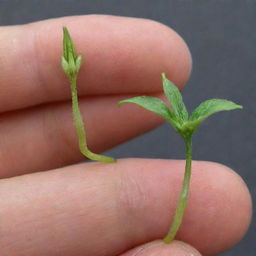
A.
pixel 93 208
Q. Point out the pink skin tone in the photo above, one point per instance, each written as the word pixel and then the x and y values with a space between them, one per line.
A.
pixel 94 208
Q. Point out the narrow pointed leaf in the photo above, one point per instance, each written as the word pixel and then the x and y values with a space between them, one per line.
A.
pixel 68 46
pixel 154 105
pixel 64 64
pixel 209 107
pixel 175 98
pixel 78 62
pixel 70 61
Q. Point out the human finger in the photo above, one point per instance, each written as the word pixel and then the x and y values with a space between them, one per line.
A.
pixel 176 248
pixel 44 138
pixel 106 209
pixel 121 55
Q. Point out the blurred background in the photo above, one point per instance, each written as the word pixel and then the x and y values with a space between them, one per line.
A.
pixel 222 40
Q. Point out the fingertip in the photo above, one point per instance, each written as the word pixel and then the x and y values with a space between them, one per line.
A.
pixel 240 199
pixel 175 60
pixel 224 206
pixel 176 248
pixel 123 56
pixel 178 57
pixel 219 207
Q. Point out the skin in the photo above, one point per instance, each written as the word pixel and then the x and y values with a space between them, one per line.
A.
pixel 62 208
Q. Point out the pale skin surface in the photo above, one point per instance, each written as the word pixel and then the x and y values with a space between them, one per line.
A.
pixel 93 208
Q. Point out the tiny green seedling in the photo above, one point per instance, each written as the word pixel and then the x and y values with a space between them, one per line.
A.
pixel 71 64
pixel 178 117
pixel 185 125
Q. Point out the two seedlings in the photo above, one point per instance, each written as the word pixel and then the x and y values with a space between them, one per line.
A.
pixel 177 116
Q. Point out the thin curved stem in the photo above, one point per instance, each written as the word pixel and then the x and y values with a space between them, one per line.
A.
pixel 79 125
pixel 183 194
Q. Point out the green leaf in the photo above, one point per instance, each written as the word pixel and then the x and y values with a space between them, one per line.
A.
pixel 154 105
pixel 68 46
pixel 210 107
pixel 70 62
pixel 150 103
pixel 175 98
pixel 78 62
pixel 64 64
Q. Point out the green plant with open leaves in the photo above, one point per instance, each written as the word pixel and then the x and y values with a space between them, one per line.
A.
pixel 185 125
pixel 177 116
pixel 71 64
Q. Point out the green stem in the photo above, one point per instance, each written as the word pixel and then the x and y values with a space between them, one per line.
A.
pixel 79 125
pixel 183 194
